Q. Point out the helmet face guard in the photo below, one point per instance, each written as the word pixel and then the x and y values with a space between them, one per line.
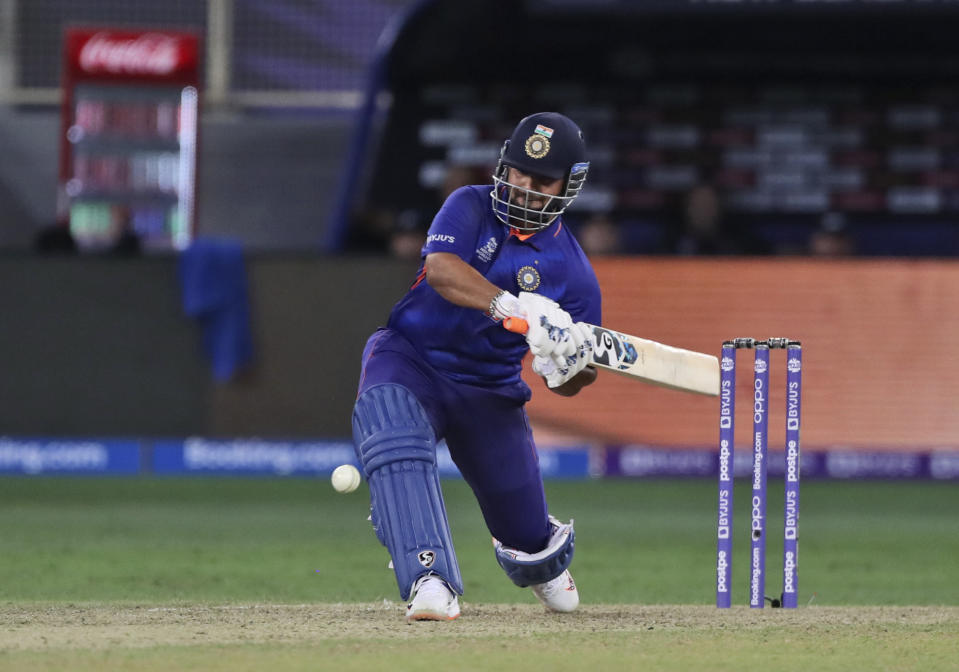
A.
pixel 545 144
pixel 511 203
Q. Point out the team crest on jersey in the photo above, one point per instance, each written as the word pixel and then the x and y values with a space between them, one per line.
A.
pixel 537 146
pixel 427 558
pixel 528 279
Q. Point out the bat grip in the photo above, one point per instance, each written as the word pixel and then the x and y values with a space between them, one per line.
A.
pixel 516 324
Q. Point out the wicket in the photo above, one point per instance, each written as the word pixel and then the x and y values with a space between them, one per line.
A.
pixel 727 417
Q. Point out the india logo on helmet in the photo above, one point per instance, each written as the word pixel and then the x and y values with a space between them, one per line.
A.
pixel 537 146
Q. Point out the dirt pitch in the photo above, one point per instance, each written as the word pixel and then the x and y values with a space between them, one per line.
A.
pixel 99 627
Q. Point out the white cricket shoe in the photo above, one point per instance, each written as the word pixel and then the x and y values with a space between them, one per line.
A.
pixel 432 601
pixel 560 594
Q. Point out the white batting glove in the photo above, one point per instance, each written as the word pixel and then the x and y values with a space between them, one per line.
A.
pixel 504 305
pixel 582 335
pixel 546 367
pixel 549 326
pixel 556 375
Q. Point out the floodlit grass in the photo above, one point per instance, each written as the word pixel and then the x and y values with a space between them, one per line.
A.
pixel 639 542
pixel 247 574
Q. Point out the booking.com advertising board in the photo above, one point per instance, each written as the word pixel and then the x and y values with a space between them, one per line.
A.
pixel 208 457
pixel 196 456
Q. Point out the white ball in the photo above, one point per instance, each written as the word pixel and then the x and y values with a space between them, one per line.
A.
pixel 345 478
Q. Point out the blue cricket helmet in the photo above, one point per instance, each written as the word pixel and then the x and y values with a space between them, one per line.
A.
pixel 545 144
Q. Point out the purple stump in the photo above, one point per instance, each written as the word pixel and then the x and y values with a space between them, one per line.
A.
pixel 791 507
pixel 727 438
pixel 757 571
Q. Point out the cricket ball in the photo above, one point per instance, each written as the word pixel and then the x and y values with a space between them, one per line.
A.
pixel 345 478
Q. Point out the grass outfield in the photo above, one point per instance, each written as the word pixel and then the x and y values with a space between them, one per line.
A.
pixel 638 542
pixel 173 561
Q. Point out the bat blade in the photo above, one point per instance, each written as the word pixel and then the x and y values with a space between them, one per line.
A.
pixel 649 361
pixel 656 363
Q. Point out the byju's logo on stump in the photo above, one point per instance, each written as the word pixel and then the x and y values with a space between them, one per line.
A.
pixel 427 558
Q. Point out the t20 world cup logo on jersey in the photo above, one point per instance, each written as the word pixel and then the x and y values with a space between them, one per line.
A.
pixel 487 251
pixel 612 349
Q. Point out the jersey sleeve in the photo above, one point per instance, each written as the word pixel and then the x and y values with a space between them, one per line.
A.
pixel 455 228
pixel 585 302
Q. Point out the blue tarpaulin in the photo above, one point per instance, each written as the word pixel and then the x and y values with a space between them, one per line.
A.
pixel 213 280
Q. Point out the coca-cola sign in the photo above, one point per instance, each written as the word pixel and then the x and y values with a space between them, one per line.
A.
pixel 148 54
pixel 110 53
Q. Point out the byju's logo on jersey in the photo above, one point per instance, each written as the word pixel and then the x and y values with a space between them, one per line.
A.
pixel 488 250
pixel 528 279
pixel 440 238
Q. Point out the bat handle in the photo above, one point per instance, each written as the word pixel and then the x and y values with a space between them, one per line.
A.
pixel 516 324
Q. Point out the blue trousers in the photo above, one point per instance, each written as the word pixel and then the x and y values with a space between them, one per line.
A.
pixel 488 435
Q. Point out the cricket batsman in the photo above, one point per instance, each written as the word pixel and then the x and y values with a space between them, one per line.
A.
pixel 445 368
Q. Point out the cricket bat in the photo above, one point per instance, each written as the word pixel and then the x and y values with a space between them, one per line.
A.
pixel 649 361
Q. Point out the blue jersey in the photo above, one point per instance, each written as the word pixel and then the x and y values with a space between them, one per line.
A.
pixel 463 343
